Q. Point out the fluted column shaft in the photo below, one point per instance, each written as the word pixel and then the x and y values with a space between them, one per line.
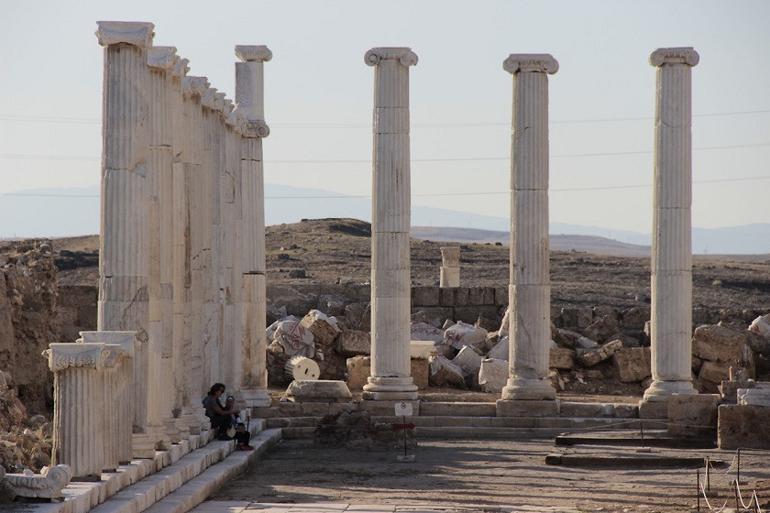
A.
pixel 160 61
pixel 251 369
pixel 671 265
pixel 120 407
pixel 79 408
pixel 529 289
pixel 390 377
pixel 125 195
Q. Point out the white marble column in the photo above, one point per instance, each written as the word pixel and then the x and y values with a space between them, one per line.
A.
pixel 450 267
pixel 671 233
pixel 529 290
pixel 249 100
pixel 160 60
pixel 79 408
pixel 125 204
pixel 124 389
pixel 198 193
pixel 181 345
pixel 390 377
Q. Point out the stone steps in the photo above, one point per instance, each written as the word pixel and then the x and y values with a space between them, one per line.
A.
pixel 136 486
pixel 471 427
pixel 195 491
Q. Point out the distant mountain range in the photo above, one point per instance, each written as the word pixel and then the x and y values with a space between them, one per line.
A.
pixel 75 211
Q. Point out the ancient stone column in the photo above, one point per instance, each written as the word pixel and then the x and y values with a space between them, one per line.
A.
pixel 671 233
pixel 79 408
pixel 198 194
pixel 450 267
pixel 390 377
pixel 181 344
pixel 123 391
pixel 249 100
pixel 125 206
pixel 160 60
pixel 529 290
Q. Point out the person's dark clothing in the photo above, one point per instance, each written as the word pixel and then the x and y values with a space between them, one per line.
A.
pixel 242 437
pixel 219 423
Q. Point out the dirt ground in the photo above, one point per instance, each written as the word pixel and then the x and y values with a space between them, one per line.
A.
pixel 330 250
pixel 485 472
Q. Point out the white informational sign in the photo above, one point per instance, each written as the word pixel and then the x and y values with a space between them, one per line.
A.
pixel 404 409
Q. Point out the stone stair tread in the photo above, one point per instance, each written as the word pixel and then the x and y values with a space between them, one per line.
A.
pixel 197 489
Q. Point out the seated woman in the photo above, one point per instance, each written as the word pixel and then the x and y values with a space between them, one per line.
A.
pixel 222 417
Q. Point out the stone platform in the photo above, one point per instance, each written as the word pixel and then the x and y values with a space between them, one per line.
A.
pixel 336 507
pixel 434 419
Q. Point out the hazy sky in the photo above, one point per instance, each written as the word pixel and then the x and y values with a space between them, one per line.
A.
pixel 318 94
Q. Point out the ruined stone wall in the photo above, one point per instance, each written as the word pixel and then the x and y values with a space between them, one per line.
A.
pixel 28 318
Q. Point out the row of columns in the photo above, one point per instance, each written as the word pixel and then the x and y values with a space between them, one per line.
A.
pixel 182 260
pixel 529 285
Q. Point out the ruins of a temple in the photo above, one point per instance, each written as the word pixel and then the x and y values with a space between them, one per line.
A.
pixel 182 282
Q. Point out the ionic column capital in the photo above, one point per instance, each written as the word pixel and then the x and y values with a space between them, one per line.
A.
pixel 532 62
pixel 65 356
pixel 253 53
pixel 255 128
pixel 193 85
pixel 136 33
pixel 404 55
pixel 161 57
pixel 125 339
pixel 180 67
pixel 683 55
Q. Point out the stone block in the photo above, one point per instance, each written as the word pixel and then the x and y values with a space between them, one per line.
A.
pixel 468 360
pixel 435 315
pixel 590 410
pixel 500 350
pixel 713 373
pixel 420 372
pixel 422 349
pixel 322 390
pixel 501 296
pixel 602 328
pixel 470 314
pixel 584 316
pixel 323 327
pixel 633 364
pixel 657 409
pixel 692 416
pixel 447 296
pixel 634 318
pixel 488 296
pixel 462 296
pixel 424 331
pixel 716 343
pixel 358 370
pixel 493 375
pixel 761 326
pixel 354 342
pixel 425 296
pixel 387 408
pixel 743 427
pixel 445 373
pixel 561 358
pixel 476 296
pixel 464 334
pixel 518 408
pixel 592 357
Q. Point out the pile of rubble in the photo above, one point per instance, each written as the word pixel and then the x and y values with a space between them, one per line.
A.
pixel 593 350
pixel 25 442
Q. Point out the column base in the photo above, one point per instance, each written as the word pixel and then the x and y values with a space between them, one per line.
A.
pixel 171 428
pixel 154 438
pixel 660 390
pixel 255 398
pixel 390 389
pixel 528 389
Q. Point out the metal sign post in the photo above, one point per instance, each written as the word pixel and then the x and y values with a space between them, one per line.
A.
pixel 404 409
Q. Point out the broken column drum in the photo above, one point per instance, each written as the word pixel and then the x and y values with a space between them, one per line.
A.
pixel 671 323
pixel 391 282
pixel 79 409
pixel 450 267
pixel 125 205
pixel 529 290
pixel 251 364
